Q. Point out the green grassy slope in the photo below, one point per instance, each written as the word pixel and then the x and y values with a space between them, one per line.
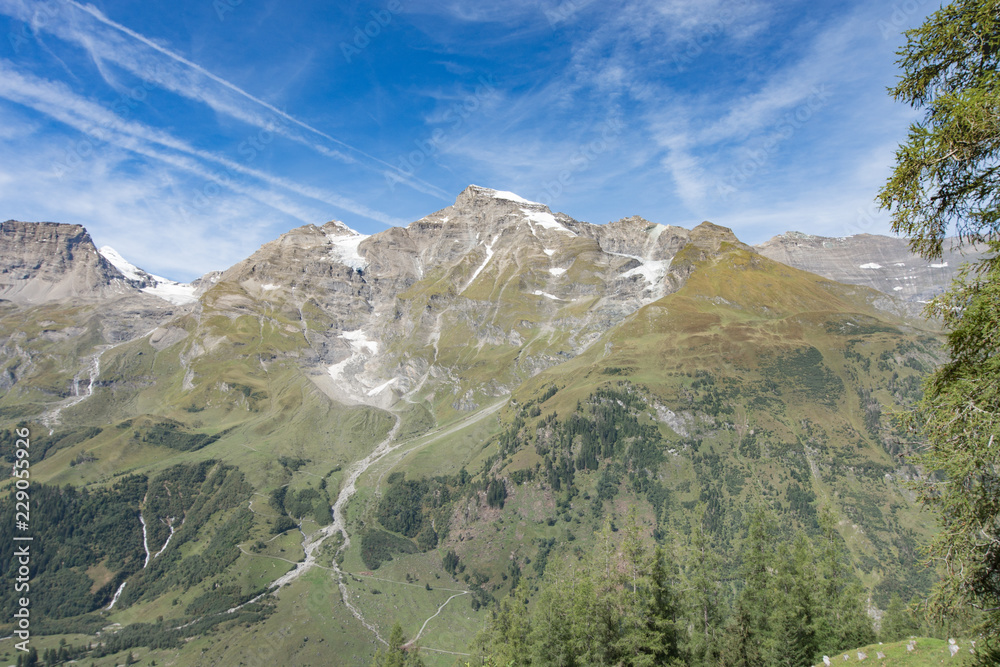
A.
pixel 753 381
pixel 925 653
pixel 759 380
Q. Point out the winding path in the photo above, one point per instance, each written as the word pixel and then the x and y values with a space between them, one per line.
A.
pixel 312 543
pixel 424 440
pixel 440 609
pixel 349 488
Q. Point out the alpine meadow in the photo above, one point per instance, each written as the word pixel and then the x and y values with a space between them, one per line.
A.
pixel 498 434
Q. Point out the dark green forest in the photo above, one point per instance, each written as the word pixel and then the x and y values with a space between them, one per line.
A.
pixel 683 603
pixel 78 532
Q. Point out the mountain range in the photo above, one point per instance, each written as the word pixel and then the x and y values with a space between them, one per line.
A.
pixel 435 386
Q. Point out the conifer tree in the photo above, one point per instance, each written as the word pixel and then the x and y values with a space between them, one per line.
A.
pixel 614 607
pixel 704 606
pixel 663 614
pixel 749 628
pixel 946 177
pixel 505 639
pixel 792 640
pixel 897 622
pixel 842 622
pixel 395 655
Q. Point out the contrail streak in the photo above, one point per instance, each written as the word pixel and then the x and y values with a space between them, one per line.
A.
pixel 97 14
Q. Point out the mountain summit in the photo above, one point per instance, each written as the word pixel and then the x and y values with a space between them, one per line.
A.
pixel 50 261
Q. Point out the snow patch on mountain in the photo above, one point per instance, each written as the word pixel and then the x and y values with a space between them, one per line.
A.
pixel 125 267
pixel 344 249
pixel 360 341
pixel 355 380
pixel 503 194
pixel 382 387
pixel 546 220
pixel 361 349
pixel 871 265
pixel 652 270
pixel 489 256
pixel 340 225
pixel 557 271
pixel 179 294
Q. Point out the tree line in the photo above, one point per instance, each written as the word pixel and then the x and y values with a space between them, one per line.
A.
pixel 626 603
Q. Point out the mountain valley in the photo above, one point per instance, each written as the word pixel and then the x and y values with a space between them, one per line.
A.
pixel 341 433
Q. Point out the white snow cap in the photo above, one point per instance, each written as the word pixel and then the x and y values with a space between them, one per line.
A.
pixel 540 214
pixel 502 194
pixel 360 341
pixel 176 293
pixel 179 294
pixel 125 267
pixel 339 224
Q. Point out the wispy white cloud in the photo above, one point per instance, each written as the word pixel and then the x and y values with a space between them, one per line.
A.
pixel 704 92
pixel 511 12
pixel 17 127
pixel 763 143
pixel 164 67
pixel 57 101
pixel 113 197
pixel 753 139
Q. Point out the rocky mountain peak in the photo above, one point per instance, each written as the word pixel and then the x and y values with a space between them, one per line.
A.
pixel 637 237
pixel 337 228
pixel 712 236
pixel 490 210
pixel 477 195
pixel 48 261
pixel 636 221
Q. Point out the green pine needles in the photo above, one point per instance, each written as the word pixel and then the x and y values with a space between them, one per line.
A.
pixel 947 177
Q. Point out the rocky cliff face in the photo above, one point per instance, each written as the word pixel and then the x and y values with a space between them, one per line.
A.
pixel 47 261
pixel 61 303
pixel 464 304
pixel 880 262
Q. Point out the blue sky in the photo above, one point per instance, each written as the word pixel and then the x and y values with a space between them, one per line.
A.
pixel 187 133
